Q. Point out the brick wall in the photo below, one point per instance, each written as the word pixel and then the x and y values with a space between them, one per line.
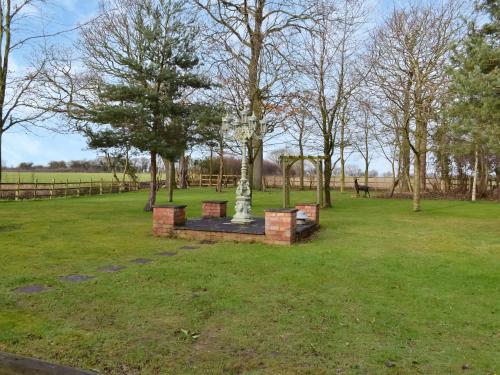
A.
pixel 280 225
pixel 165 217
pixel 311 210
pixel 217 236
pixel 214 209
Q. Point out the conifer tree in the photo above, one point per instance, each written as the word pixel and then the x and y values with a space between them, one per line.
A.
pixel 475 93
pixel 144 54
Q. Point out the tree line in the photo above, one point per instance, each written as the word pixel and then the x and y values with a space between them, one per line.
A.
pixel 419 89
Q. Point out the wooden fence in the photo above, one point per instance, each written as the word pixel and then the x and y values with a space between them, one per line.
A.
pixel 206 180
pixel 36 190
pixel 21 190
pixel 310 182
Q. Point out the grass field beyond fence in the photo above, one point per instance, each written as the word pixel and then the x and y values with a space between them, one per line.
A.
pixel 379 290
pixel 47 177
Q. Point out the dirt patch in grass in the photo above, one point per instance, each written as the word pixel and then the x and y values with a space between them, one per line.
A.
pixel 10 228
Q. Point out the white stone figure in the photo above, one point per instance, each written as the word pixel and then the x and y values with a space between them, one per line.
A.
pixel 245 129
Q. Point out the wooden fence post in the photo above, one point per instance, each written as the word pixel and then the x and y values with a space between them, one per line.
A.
pixel 79 186
pixel 90 188
pixel 36 187
pixel 66 189
pixel 100 187
pixel 52 188
pixel 17 188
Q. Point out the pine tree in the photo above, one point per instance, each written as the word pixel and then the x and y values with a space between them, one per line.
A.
pixel 475 91
pixel 145 57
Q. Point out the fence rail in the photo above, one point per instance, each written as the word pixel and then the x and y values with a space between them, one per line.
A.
pixel 310 182
pixel 37 190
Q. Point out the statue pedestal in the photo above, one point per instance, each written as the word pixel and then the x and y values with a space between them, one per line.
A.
pixel 243 213
pixel 243 205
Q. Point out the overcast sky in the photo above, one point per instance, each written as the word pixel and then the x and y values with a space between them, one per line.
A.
pixel 42 146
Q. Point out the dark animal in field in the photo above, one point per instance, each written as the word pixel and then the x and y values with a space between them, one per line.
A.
pixel 359 188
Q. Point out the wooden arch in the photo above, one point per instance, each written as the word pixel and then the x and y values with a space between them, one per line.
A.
pixel 287 161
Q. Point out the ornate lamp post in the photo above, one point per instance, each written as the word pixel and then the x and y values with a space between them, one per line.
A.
pixel 245 129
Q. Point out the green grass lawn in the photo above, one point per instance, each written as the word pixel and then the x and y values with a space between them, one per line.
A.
pixel 379 290
pixel 44 177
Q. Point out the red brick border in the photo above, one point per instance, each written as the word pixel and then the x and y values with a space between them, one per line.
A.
pixel 280 226
pixel 311 210
pixel 214 209
pixel 166 217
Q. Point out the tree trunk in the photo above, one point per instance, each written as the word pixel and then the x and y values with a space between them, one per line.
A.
pixel 497 172
pixel 423 166
pixel 183 173
pixel 301 173
pixel 258 164
pixel 405 142
pixel 221 171
pixel 367 158
pixel 416 183
pixel 210 167
pixel 474 178
pixel 423 156
pixel 1 161
pixel 483 174
pixel 342 159
pixel 367 171
pixel 405 184
pixel 153 184
pixel 326 183
pixel 445 172
pixel 171 180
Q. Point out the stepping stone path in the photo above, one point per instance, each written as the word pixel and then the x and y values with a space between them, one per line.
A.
pixel 141 261
pixel 188 247
pixel 112 268
pixel 28 289
pixel 76 278
pixel 167 253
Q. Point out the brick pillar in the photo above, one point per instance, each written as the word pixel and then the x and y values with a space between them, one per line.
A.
pixel 280 225
pixel 214 209
pixel 166 217
pixel 311 210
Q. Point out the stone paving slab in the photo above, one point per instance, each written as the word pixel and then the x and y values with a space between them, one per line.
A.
pixel 189 247
pixel 111 268
pixel 141 261
pixel 76 278
pixel 11 364
pixel 28 289
pixel 167 253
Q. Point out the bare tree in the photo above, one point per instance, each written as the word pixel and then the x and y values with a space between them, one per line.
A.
pixel 364 136
pixel 251 40
pixel 409 53
pixel 329 72
pixel 18 103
